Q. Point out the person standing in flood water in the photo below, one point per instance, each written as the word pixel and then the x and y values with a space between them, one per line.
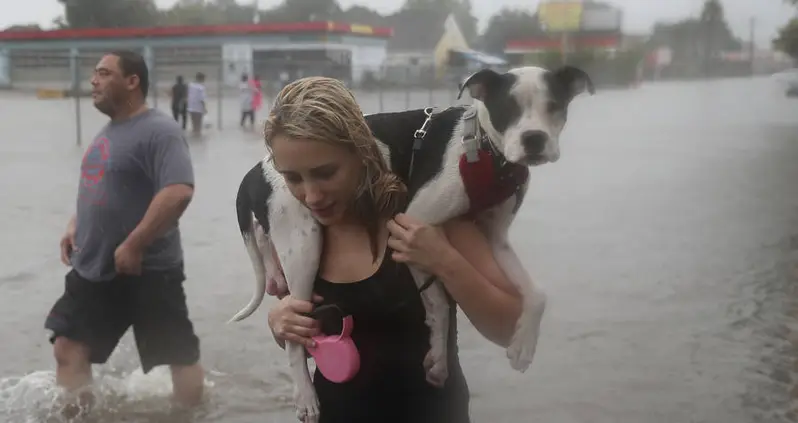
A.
pixel 246 97
pixel 179 101
pixel 123 243
pixel 197 106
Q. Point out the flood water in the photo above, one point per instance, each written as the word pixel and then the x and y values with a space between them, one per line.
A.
pixel 666 238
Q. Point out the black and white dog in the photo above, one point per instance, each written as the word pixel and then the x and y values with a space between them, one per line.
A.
pixel 514 122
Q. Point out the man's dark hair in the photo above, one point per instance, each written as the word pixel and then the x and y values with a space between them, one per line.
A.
pixel 132 63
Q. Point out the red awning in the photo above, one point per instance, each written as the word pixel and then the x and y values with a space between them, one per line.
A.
pixel 203 30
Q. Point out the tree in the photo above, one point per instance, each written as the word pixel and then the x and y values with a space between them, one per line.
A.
pixel 506 25
pixel 716 34
pixel 201 12
pixel 361 15
pixel 22 28
pixel 303 10
pixel 461 9
pixel 787 40
pixel 109 13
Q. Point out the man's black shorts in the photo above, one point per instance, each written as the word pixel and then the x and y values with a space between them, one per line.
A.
pixel 97 314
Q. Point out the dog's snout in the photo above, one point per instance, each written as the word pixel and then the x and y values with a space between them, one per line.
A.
pixel 534 142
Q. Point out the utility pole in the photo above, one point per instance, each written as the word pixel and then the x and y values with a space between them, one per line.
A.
pixel 752 46
pixel 255 12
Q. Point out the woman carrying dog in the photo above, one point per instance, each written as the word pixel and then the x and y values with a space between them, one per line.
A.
pixel 321 144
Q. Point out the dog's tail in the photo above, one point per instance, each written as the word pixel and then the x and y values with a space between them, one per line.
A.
pixel 252 231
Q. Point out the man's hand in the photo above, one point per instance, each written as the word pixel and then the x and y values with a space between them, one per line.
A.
pixel 127 259
pixel 164 210
pixel 68 243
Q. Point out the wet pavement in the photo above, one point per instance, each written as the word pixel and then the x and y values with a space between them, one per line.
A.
pixel 666 238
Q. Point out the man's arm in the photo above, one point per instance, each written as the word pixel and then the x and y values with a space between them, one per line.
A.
pixel 168 164
pixel 164 210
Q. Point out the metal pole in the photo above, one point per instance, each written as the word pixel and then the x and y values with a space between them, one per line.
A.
pixel 432 89
pixel 155 91
pixel 409 86
pixel 220 93
pixel 255 12
pixel 752 51
pixel 75 91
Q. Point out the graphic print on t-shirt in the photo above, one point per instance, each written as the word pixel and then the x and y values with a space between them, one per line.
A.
pixel 92 172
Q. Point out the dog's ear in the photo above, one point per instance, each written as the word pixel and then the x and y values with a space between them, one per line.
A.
pixel 572 81
pixel 479 83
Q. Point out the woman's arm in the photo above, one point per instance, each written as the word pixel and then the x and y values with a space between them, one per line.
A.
pixel 477 283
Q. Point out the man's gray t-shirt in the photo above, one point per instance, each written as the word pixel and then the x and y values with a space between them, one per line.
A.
pixel 123 169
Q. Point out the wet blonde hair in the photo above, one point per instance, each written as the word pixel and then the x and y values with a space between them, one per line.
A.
pixel 323 109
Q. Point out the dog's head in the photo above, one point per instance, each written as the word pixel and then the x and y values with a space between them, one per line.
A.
pixel 524 110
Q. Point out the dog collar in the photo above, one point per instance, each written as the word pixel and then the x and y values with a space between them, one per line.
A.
pixel 489 178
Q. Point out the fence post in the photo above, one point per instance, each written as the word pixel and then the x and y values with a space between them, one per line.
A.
pixel 148 59
pixel 431 88
pixel 220 93
pixel 74 65
pixel 5 69
pixel 381 94
pixel 408 86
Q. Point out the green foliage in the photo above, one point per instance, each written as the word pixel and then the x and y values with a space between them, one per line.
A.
pixel 506 25
pixel 787 40
pixel 460 8
pixel 197 12
pixel 126 13
pixel 109 13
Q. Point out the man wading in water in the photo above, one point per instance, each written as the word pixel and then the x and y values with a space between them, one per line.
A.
pixel 124 244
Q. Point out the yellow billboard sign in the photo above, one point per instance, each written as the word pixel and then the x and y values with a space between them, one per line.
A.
pixel 560 15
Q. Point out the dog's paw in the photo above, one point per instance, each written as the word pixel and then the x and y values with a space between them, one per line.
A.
pixel 307 405
pixel 525 340
pixel 522 350
pixel 437 367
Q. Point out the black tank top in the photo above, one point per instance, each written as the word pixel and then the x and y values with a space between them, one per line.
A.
pixel 392 339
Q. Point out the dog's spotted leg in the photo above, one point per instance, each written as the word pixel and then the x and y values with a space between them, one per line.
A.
pixel 297 239
pixel 440 200
pixel 496 224
pixel 437 318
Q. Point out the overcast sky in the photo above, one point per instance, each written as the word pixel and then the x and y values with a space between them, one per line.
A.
pixel 639 15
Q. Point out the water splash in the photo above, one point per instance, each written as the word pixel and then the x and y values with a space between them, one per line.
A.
pixel 35 398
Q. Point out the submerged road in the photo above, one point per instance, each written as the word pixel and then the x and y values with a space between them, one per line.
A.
pixel 666 238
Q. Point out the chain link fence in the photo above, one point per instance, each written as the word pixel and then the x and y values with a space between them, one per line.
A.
pixel 57 75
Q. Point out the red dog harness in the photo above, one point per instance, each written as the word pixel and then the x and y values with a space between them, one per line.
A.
pixel 488 186
pixel 489 179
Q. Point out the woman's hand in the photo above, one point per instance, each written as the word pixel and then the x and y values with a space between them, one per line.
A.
pixel 287 324
pixel 416 243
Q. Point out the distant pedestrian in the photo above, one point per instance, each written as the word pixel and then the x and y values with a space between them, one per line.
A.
pixel 123 242
pixel 246 98
pixel 257 100
pixel 197 106
pixel 179 100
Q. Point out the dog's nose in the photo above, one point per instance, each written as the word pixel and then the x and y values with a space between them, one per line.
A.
pixel 534 142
